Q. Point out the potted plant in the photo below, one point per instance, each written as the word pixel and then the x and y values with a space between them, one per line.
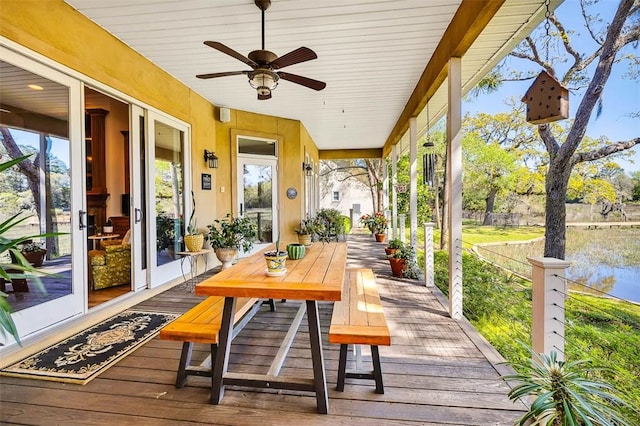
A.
pixel 379 224
pixel 404 263
pixel 194 240
pixel 564 393
pixel 276 260
pixel 305 231
pixel 393 246
pixel 34 252
pixel 229 235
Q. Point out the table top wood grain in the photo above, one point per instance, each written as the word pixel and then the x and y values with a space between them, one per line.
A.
pixel 319 275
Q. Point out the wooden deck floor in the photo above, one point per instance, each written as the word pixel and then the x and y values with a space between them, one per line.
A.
pixel 434 373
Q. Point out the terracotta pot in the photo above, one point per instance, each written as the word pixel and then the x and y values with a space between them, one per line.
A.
pixel 35 258
pixel 397 266
pixel 226 255
pixel 194 242
pixel 381 237
pixel 390 251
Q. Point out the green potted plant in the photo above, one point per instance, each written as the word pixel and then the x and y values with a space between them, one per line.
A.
pixel 276 260
pixel 305 231
pixel 166 233
pixel 34 252
pixel 564 393
pixel 393 246
pixel 193 240
pixel 229 235
pixel 404 262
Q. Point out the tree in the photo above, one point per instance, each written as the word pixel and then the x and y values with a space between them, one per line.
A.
pixel 635 192
pixel 564 153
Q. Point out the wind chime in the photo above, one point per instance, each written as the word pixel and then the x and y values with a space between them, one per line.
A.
pixel 429 158
pixel 547 99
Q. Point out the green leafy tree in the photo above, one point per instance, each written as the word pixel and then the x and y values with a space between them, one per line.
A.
pixel 588 73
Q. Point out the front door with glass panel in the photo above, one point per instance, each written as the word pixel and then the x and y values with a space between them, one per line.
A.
pixel 41 117
pixel 257 195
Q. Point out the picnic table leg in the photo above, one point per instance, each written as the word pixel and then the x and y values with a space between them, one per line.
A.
pixel 319 375
pixel 222 355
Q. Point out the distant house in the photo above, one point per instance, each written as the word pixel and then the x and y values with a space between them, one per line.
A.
pixel 345 195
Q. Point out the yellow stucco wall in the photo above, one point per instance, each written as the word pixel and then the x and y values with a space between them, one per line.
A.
pixel 57 31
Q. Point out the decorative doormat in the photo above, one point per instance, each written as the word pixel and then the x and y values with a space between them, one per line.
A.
pixel 82 357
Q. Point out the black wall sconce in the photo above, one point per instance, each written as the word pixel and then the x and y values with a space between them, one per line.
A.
pixel 211 159
pixel 308 170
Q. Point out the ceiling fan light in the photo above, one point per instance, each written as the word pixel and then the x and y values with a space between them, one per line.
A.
pixel 263 82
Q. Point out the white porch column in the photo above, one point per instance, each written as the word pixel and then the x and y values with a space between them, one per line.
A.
pixel 413 182
pixel 385 185
pixel 549 290
pixel 394 193
pixel 429 273
pixel 454 174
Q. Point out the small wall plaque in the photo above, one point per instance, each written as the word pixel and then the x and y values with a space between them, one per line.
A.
pixel 206 181
pixel 292 193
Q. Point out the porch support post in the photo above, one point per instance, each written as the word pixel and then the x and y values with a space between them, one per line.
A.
pixel 394 193
pixel 454 174
pixel 429 273
pixel 549 290
pixel 413 182
pixel 385 185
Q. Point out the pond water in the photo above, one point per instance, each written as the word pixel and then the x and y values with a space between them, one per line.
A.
pixel 606 260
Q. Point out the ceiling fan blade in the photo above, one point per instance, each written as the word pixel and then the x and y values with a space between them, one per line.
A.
pixel 221 74
pixel 301 54
pixel 303 81
pixel 264 97
pixel 229 51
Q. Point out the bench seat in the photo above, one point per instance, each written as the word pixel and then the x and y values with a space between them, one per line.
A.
pixel 201 324
pixel 359 319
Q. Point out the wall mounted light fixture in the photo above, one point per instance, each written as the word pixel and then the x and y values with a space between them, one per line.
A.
pixel 308 169
pixel 211 159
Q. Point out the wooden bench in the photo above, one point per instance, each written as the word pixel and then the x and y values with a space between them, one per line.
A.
pixel 201 324
pixel 359 319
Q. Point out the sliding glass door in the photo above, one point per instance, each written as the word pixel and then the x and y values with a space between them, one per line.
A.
pixel 40 116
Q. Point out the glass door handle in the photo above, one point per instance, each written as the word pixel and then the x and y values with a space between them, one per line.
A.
pixel 82 214
pixel 241 209
pixel 137 215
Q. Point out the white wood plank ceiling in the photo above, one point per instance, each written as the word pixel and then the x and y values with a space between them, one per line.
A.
pixel 371 53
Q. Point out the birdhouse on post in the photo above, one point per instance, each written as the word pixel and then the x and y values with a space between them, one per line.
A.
pixel 547 100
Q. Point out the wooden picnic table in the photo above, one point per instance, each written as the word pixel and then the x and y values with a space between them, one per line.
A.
pixel 317 276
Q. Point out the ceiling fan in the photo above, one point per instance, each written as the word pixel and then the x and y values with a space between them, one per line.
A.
pixel 264 76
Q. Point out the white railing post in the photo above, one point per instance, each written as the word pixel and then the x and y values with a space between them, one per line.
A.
pixel 402 218
pixel 429 275
pixel 549 290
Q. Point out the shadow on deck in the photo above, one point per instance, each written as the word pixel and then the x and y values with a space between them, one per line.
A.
pixel 437 371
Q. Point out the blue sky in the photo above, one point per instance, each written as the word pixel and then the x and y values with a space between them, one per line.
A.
pixel 621 95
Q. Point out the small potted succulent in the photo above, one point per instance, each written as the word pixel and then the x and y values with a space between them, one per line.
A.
pixel 305 231
pixel 276 260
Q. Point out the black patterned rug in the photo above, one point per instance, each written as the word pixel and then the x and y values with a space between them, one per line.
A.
pixel 83 357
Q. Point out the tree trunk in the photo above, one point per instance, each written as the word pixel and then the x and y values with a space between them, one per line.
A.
pixel 490 205
pixel 556 211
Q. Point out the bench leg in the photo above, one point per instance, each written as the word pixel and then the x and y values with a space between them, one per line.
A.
pixel 185 360
pixel 377 369
pixel 342 367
